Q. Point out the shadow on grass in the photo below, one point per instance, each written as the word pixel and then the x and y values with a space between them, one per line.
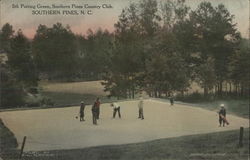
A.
pixel 8 143
pixel 213 146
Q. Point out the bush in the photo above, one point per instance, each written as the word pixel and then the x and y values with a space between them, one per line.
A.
pixel 33 90
pixel 11 91
pixel 47 102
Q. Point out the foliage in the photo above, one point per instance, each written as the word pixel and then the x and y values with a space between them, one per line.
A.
pixel 20 61
pixel 217 40
pixel 5 37
pixel 158 47
pixel 54 51
pixel 11 91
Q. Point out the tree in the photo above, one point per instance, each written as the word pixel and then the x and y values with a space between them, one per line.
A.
pixel 5 37
pixel 97 52
pixel 205 75
pixel 218 38
pixel 127 54
pixel 239 68
pixel 167 70
pixel 11 90
pixel 140 39
pixel 20 60
pixel 55 51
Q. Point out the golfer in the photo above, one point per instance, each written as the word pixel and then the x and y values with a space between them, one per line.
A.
pixel 140 106
pixel 222 115
pixel 97 104
pixel 171 99
pixel 116 108
pixel 94 113
pixel 81 112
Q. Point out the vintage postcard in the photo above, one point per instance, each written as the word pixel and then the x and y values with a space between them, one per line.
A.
pixel 124 79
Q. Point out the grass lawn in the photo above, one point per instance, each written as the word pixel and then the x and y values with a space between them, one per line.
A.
pixel 235 107
pixel 214 146
pixel 66 94
pixel 67 99
pixel 72 93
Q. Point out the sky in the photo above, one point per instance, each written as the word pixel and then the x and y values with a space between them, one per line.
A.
pixel 21 17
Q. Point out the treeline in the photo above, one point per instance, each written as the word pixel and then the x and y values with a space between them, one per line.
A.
pixel 164 48
pixel 160 48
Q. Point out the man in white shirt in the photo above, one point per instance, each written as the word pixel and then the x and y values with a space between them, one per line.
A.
pixel 140 106
pixel 116 108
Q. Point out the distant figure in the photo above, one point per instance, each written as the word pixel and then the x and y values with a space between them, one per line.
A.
pixel 116 108
pixel 140 106
pixel 222 116
pixel 97 104
pixel 81 112
pixel 171 99
pixel 94 113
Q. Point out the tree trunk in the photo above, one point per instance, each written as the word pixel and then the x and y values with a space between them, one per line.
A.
pixel 236 89
pixel 241 91
pixel 159 93
pixel 205 91
pixel 230 88
pixel 220 88
pixel 129 93
pixel 226 89
pixel 133 93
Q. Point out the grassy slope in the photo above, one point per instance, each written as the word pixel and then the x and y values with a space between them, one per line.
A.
pixel 70 99
pixel 66 94
pixel 72 93
pixel 236 107
pixel 214 146
pixel 8 142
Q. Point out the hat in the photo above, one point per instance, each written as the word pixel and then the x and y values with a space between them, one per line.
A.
pixel 222 105
pixel 81 101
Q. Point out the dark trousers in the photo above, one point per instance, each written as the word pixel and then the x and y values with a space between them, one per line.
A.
pixel 141 113
pixel 221 121
pixel 97 112
pixel 94 115
pixel 116 110
pixel 82 116
pixel 172 101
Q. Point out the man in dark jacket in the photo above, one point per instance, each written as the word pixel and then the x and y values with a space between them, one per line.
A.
pixel 94 114
pixel 97 104
pixel 81 112
pixel 171 98
pixel 140 107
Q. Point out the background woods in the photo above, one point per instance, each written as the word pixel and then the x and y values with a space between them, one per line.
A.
pixel 160 48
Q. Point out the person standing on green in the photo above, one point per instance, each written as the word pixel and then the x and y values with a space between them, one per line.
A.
pixel 140 106
pixel 97 104
pixel 81 112
pixel 94 113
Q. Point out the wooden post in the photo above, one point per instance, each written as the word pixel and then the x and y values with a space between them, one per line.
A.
pixel 21 153
pixel 241 137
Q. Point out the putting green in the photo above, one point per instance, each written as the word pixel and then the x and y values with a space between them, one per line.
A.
pixel 57 128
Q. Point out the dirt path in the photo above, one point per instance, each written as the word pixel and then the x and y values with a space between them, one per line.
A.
pixel 49 129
